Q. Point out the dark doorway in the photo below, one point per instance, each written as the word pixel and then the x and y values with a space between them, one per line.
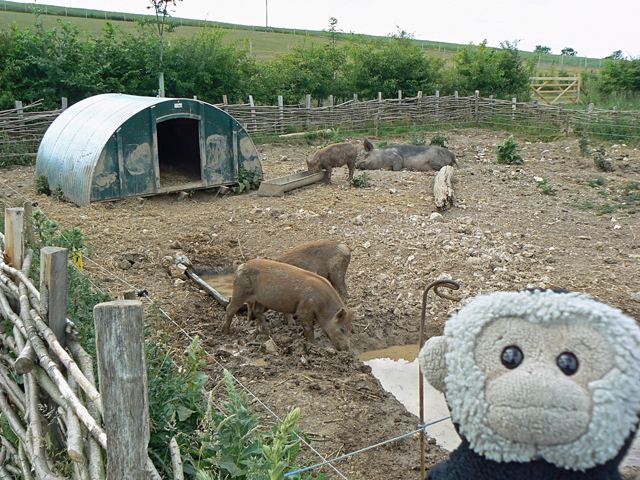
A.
pixel 178 152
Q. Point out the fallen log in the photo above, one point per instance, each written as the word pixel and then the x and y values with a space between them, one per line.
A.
pixel 442 189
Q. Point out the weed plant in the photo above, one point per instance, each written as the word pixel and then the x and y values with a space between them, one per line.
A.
pixel 597 182
pixel 361 181
pixel 42 186
pixel 233 443
pixel 604 164
pixel 439 141
pixel 508 153
pixel 246 181
pixel 546 188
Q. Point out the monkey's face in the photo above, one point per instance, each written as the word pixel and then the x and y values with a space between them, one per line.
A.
pixel 537 378
pixel 539 374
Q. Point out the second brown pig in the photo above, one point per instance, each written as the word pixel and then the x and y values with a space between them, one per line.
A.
pixel 284 288
pixel 333 156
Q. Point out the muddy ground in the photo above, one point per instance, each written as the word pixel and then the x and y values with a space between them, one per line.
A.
pixel 579 230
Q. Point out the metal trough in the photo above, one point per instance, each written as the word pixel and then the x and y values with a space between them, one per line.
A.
pixel 277 186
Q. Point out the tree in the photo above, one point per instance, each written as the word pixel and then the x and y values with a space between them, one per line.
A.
pixel 570 52
pixel 617 55
pixel 542 49
pixel 333 30
pixel 492 71
pixel 161 28
pixel 390 65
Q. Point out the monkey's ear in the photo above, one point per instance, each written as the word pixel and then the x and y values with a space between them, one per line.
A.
pixel 432 362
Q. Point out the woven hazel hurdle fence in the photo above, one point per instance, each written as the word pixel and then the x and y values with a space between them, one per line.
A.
pixel 22 128
pixel 27 128
pixel 56 409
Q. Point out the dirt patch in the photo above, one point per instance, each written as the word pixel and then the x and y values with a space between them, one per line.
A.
pixel 556 221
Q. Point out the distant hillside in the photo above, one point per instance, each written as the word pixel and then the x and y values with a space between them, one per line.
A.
pixel 265 43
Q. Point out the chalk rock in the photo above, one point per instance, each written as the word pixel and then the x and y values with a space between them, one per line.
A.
pixel 436 217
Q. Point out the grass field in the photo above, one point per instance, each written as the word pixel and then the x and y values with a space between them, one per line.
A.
pixel 264 44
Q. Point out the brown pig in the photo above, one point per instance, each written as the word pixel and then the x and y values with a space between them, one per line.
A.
pixel 326 258
pixel 333 156
pixel 284 288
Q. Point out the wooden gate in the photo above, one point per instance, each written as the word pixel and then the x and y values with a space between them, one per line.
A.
pixel 555 89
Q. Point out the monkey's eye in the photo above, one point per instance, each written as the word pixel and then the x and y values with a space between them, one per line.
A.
pixel 568 363
pixel 512 356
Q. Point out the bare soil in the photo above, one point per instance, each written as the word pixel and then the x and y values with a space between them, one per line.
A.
pixel 506 232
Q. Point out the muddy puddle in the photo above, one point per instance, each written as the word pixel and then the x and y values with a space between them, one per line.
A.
pixel 397 370
pixel 221 283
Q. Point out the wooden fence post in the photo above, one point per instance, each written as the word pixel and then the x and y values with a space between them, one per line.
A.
pixel 513 110
pixel 123 385
pixel 253 115
pixel 14 236
pixel 53 290
pixel 331 103
pixel 64 103
pixel 281 112
pixel 354 110
pixel 399 94
pixel 376 120
pixel 437 109
pixel 28 224
pixel 477 95
pixel 307 121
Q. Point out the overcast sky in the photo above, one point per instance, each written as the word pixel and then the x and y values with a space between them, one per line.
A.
pixel 594 28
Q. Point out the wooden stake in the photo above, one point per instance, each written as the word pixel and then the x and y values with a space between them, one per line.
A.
pixel 53 290
pixel 123 384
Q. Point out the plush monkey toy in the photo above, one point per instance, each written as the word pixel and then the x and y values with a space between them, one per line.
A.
pixel 542 385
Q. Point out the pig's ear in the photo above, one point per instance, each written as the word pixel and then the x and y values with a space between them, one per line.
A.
pixel 341 314
pixel 368 146
pixel 432 362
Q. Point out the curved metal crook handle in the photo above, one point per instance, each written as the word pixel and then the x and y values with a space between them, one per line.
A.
pixel 436 286
pixel 450 284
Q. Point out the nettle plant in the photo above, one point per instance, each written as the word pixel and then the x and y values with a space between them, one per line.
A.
pixel 246 181
pixel 508 153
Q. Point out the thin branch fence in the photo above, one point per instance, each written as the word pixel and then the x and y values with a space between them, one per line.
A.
pixel 22 128
pixel 58 402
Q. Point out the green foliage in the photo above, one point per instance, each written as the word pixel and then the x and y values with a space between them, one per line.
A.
pixel 597 182
pixel 546 188
pixel 42 185
pixel 439 141
pixel 361 181
pixel 508 153
pixel 417 137
pixel 586 205
pixel 58 194
pixel 620 76
pixel 389 66
pixel 83 293
pixel 540 49
pixel 234 443
pixel 176 403
pixel 570 52
pixel 601 162
pixel 14 152
pixel 607 208
pixel 498 72
pixel 631 186
pixel 617 55
pixel 246 181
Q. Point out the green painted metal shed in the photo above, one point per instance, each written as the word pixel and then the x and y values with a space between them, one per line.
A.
pixel 114 146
